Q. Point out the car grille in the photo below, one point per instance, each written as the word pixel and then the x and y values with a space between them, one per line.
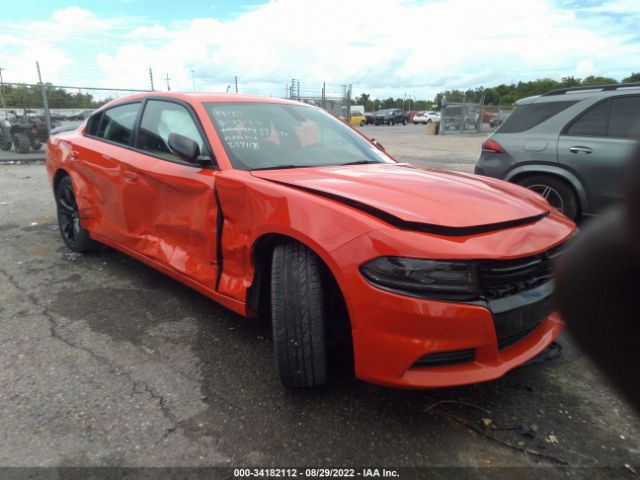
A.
pixel 514 315
pixel 502 278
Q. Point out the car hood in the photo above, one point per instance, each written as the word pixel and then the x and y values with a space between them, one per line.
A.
pixel 433 201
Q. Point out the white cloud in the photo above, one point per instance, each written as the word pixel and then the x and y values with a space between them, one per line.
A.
pixel 382 47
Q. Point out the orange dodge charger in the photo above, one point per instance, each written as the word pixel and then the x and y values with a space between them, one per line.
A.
pixel 276 208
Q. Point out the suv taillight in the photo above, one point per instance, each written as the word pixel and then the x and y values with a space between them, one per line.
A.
pixel 492 146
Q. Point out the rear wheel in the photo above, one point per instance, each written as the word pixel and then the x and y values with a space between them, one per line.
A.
pixel 404 121
pixel 391 123
pixel 362 123
pixel 21 142
pixel 555 191
pixel 74 236
pixel 298 316
pixel 36 144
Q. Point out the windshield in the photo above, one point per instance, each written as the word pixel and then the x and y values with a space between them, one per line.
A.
pixel 383 112
pixel 259 136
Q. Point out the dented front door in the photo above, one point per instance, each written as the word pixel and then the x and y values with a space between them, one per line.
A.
pixel 169 205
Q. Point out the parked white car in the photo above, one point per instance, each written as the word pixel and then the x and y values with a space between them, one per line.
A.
pixel 426 117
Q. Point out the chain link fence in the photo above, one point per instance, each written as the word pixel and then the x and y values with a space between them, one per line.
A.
pixel 335 99
pixel 30 112
pixel 466 117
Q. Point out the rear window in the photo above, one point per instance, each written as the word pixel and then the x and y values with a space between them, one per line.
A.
pixel 532 114
pixel 592 124
pixel 92 124
pixel 117 123
pixel 624 118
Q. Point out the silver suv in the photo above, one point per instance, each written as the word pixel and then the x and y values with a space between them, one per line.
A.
pixel 569 145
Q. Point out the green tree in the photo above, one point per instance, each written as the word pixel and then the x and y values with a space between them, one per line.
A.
pixel 591 80
pixel 633 78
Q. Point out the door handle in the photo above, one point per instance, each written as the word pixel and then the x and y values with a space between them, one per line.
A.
pixel 130 176
pixel 578 149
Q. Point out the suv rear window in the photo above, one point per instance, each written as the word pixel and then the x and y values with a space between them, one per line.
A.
pixel 532 114
pixel 624 118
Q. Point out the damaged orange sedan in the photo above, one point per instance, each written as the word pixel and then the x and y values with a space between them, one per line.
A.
pixel 272 207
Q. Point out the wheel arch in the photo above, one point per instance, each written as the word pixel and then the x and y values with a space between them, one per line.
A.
pixel 522 172
pixel 258 294
pixel 58 176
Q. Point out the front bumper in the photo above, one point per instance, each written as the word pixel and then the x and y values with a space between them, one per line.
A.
pixel 394 332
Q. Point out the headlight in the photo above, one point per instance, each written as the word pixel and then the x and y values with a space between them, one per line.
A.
pixel 440 279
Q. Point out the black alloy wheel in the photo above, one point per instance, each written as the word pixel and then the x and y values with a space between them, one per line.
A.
pixel 74 236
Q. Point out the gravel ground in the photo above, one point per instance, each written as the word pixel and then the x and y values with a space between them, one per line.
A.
pixel 107 362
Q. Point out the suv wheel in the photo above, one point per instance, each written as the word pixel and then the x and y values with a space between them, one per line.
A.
pixel 298 316
pixel 391 123
pixel 555 191
pixel 404 121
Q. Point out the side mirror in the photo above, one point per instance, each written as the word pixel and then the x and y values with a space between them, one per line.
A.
pixel 378 144
pixel 185 148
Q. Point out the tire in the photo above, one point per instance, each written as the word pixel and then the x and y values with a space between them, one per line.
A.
pixel 363 123
pixel 404 122
pixel 36 144
pixel 391 123
pixel 428 122
pixel 21 142
pixel 298 316
pixel 555 191
pixel 75 237
pixel 5 140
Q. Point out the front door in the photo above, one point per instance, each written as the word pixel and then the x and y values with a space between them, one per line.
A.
pixel 173 200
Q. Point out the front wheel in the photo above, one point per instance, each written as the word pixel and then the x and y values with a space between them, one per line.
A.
pixel 391 123
pixel 298 316
pixel 404 122
pixel 74 236
pixel 363 123
pixel 555 191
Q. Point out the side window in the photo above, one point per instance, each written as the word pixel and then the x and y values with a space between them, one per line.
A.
pixel 117 123
pixel 531 115
pixel 160 119
pixel 624 117
pixel 591 124
pixel 92 124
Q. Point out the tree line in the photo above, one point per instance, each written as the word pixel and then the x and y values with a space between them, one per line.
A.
pixel 30 96
pixel 500 95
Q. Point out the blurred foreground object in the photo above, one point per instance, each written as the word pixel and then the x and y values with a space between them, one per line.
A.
pixel 598 289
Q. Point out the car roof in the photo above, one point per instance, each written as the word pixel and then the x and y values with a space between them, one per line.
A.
pixel 198 97
pixel 582 93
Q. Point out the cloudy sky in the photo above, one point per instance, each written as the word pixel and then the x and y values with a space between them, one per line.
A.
pixel 386 48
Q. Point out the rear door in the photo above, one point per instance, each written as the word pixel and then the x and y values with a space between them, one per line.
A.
pixel 97 174
pixel 169 204
pixel 597 145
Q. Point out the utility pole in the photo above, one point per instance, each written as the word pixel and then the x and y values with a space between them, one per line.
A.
pixel 1 85
pixel 236 80
pixel 193 80
pixel 151 78
pixel 168 86
pixel 45 102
